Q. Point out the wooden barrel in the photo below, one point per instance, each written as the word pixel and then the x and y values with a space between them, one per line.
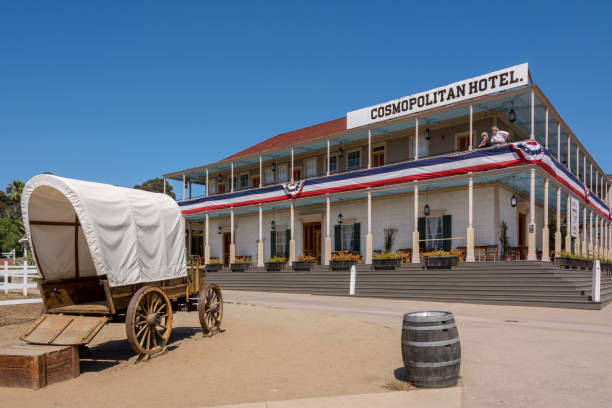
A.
pixel 431 349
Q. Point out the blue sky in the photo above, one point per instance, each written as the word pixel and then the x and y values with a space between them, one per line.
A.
pixel 120 92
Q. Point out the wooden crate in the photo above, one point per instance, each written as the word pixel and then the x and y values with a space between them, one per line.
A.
pixel 36 366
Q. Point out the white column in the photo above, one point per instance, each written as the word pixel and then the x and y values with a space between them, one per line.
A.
pixel 164 185
pixel 189 252
pixel 183 187
pixel 369 240
pixel 568 237
pixel 207 182
pixel 584 168
pixel 416 258
pixel 292 177
pixel 569 154
pixel 416 138
pixel 232 178
pixel 558 230
pixel 546 129
pixel 531 252
pixel 232 242
pixel 532 135
pixel 328 250
pixel 260 171
pixel 590 176
pixel 591 247
pixel 469 256
pixel 292 240
pixel 545 232
pixel 577 162
pixel 369 148
pixel 206 241
pixel 471 125
pixel 559 142
pixel 260 244
pixel 328 172
pixel 584 229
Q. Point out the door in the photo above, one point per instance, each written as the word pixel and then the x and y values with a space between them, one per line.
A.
pixel 521 232
pixel 312 239
pixel 226 247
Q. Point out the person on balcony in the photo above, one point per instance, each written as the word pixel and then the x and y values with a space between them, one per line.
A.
pixel 484 142
pixel 498 136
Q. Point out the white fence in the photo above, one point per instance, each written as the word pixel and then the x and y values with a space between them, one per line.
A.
pixel 18 277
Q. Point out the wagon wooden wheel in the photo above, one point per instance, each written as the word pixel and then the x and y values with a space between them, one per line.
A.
pixel 148 320
pixel 210 308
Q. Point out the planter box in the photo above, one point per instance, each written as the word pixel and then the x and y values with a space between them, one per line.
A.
pixel 239 267
pixel 275 266
pixel 213 267
pixel 302 265
pixel 564 263
pixel 441 262
pixel 389 264
pixel 341 265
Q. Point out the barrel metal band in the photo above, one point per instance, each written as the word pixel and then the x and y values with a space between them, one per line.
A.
pixel 430 343
pixel 428 319
pixel 439 327
pixel 440 364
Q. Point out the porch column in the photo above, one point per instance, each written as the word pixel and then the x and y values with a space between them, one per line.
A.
pixel 368 255
pixel 568 236
pixel 328 171
pixel 469 256
pixel 559 142
pixel 369 148
pixel 416 139
pixel 292 178
pixel 164 185
pixel 569 153
pixel 206 193
pixel 577 250
pixel 232 179
pixel 591 177
pixel 584 229
pixel 260 171
pixel 545 232
pixel 471 124
pixel 183 187
pixel 328 241
pixel 531 250
pixel 416 258
pixel 292 240
pixel 206 242
pixel 558 231
pixel 532 135
pixel 260 244
pixel 232 242
pixel 546 131
pixel 189 239
pixel 591 247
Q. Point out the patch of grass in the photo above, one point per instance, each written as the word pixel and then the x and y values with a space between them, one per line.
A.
pixel 397 385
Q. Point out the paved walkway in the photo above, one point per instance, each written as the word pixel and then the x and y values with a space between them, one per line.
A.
pixel 512 356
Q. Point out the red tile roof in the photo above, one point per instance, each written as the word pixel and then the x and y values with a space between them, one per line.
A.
pixel 306 134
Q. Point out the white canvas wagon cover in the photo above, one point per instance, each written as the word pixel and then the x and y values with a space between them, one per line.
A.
pixel 81 229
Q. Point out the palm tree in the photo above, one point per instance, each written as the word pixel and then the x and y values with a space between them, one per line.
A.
pixel 14 191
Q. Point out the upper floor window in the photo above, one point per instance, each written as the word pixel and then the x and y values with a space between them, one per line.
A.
pixel 244 181
pixel 333 164
pixel 221 188
pixel 212 187
pixel 268 176
pixel 354 159
pixel 423 146
pixel 255 182
pixel 297 174
pixel 378 156
pixel 311 167
pixel 282 174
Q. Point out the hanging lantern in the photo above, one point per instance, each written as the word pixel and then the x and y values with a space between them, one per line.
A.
pixel 340 152
pixel 220 230
pixel 272 225
pixel 513 201
pixel 512 114
pixel 340 218
pixel 219 179
pixel 427 135
pixel 426 210
pixel 273 166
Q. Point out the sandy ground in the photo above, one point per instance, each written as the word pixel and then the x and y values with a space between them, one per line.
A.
pixel 264 354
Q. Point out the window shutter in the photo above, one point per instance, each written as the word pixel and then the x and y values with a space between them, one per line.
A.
pixel 337 238
pixel 287 242
pixel 272 244
pixel 357 237
pixel 447 224
pixel 422 227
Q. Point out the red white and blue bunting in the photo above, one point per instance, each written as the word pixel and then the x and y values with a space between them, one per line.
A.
pixel 479 160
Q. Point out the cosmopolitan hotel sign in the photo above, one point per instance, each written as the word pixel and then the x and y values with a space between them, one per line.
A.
pixel 445 95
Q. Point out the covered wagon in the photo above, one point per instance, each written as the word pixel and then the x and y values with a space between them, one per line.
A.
pixel 111 254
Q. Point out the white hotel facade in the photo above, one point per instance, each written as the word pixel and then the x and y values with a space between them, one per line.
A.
pixel 413 165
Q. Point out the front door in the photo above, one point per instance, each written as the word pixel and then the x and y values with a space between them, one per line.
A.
pixel 227 237
pixel 312 239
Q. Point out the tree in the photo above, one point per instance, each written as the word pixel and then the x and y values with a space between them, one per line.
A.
pixel 10 233
pixel 14 191
pixel 156 185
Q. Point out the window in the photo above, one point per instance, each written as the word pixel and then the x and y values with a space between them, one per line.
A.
pixel 268 176
pixel 348 237
pixel 255 182
pixel 333 164
pixel 244 181
pixel 434 232
pixel 281 243
pixel 297 174
pixel 231 181
pixel 354 159
pixel 463 143
pixel 423 146
pixel 221 188
pixel 378 156
pixel 282 173
pixel 311 167
pixel 212 187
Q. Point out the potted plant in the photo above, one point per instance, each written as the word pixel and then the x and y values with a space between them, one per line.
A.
pixel 387 261
pixel 240 265
pixel 275 264
pixel 440 260
pixel 343 261
pixel 504 241
pixel 213 265
pixel 304 263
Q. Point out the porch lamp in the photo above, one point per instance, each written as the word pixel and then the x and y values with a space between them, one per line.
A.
pixel 512 114
pixel 340 218
pixel 513 199
pixel 273 166
pixel 219 179
pixel 427 135
pixel 220 230
pixel 272 223
pixel 340 152
pixel 426 210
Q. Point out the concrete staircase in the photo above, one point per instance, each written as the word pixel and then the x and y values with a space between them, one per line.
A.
pixel 529 283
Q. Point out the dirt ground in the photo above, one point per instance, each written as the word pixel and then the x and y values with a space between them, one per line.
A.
pixel 263 354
